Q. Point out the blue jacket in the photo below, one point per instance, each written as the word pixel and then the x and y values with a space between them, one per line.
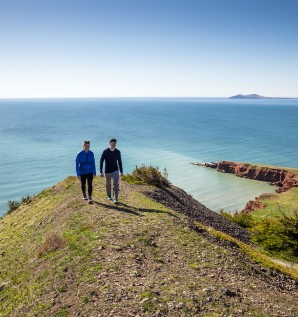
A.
pixel 85 163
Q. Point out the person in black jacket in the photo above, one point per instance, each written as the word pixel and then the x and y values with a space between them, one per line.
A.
pixel 113 163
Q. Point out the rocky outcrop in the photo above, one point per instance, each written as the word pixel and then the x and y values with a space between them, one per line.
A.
pixel 286 184
pixel 206 164
pixel 253 205
pixel 282 178
pixel 177 199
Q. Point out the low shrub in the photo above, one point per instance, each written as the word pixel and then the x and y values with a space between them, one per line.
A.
pixel 278 235
pixel 13 204
pixel 244 220
pixel 149 175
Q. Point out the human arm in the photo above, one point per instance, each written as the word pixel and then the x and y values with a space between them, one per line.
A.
pixel 101 163
pixel 120 163
pixel 78 165
pixel 93 166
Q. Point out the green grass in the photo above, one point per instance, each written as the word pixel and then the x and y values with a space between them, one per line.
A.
pixel 276 203
pixel 63 312
pixel 194 266
pixel 30 233
pixel 137 250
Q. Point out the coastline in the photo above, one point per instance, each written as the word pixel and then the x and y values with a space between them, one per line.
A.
pixel 46 125
pixel 285 178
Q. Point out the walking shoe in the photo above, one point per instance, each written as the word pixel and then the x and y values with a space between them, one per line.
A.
pixel 84 197
pixel 109 198
pixel 115 202
pixel 90 201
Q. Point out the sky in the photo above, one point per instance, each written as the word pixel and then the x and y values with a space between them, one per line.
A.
pixel 148 48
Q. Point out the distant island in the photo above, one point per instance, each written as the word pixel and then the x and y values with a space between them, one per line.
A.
pixel 253 96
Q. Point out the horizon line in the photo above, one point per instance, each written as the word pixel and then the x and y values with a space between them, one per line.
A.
pixel 138 97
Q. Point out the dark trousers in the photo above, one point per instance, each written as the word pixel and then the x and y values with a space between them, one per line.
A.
pixel 89 178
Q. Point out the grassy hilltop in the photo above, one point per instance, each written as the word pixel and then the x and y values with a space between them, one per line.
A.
pixel 62 257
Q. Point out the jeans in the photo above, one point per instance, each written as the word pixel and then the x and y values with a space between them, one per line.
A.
pixel 115 176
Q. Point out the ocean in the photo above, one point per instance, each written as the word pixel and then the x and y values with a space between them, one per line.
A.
pixel 39 140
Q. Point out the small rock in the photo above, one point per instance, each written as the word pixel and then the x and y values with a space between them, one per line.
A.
pixel 230 293
pixel 208 289
pixel 180 305
pixel 171 305
pixel 144 300
pixel 136 274
pixel 3 286
pixel 137 259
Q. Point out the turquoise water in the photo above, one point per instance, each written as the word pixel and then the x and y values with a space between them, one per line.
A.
pixel 40 139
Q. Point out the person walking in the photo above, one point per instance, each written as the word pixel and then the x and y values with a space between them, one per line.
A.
pixel 85 168
pixel 113 163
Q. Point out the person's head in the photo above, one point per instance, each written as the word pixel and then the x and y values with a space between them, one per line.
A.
pixel 86 145
pixel 113 143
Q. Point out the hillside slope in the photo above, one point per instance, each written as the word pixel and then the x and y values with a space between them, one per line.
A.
pixel 62 257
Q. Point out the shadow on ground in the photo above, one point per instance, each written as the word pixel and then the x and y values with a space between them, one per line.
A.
pixel 131 210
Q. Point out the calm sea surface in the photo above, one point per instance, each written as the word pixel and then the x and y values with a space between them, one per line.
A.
pixel 40 139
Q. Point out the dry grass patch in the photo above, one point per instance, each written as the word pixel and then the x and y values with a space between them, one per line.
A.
pixel 53 242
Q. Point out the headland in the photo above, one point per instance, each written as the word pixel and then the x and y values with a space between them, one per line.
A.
pixel 286 179
pixel 158 253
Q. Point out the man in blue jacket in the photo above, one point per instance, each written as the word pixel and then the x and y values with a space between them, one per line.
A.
pixel 113 163
pixel 85 167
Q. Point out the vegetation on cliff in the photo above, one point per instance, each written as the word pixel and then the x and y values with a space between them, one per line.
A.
pixel 63 257
pixel 149 175
pixel 271 218
pixel 277 235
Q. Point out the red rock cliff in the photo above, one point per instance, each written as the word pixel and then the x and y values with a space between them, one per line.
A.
pixel 282 178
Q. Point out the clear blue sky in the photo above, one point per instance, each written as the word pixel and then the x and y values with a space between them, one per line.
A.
pixel 114 48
